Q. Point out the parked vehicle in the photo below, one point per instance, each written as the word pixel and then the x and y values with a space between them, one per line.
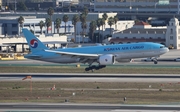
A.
pixel 177 59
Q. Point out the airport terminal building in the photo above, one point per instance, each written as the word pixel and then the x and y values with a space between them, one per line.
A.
pixel 137 6
pixel 143 32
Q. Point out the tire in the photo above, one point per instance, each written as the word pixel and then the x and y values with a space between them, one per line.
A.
pixel 86 69
pixel 155 62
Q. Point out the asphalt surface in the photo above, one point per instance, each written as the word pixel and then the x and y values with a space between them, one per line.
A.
pixel 91 77
pixel 87 107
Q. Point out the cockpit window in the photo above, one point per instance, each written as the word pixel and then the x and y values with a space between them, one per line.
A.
pixel 162 46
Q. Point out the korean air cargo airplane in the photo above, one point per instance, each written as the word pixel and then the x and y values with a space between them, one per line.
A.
pixel 103 55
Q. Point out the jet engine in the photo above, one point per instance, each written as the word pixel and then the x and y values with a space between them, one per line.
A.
pixel 106 59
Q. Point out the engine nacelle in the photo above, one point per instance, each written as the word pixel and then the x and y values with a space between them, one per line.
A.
pixel 106 59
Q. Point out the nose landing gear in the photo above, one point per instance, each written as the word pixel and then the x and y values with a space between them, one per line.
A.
pixel 155 61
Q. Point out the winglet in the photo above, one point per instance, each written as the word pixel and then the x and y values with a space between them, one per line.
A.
pixel 34 43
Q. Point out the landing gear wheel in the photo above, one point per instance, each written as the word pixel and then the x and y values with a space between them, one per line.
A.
pixel 86 69
pixel 155 62
pixel 89 68
pixel 92 68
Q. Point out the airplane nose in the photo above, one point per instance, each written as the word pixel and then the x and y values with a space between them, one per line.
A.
pixel 164 50
pixel 167 50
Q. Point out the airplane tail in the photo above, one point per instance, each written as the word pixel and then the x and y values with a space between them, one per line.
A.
pixel 34 43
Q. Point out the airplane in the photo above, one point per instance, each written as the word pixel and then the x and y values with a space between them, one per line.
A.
pixel 103 55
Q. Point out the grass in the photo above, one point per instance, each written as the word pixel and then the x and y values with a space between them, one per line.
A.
pixel 87 92
pixel 71 69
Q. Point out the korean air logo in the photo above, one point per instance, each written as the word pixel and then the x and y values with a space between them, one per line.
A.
pixel 34 43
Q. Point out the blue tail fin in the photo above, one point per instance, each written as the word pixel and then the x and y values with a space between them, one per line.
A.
pixel 34 43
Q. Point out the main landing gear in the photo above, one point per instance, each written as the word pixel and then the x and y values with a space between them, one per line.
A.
pixel 95 67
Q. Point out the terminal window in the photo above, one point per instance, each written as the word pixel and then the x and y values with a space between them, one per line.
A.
pixel 171 37
pixel 14 25
pixel 14 32
pixel 171 31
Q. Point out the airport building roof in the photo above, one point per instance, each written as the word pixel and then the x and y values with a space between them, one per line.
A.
pixel 141 23
pixel 144 31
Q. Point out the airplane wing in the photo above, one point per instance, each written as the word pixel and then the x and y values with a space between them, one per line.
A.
pixel 74 54
pixel 84 58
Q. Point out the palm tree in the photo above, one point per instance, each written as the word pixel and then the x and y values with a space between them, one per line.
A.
pixel 75 19
pixel 58 23
pixel 98 23
pixel 41 25
pixel 65 19
pixel 102 24
pixel 115 21
pixel 92 28
pixel 83 26
pixel 83 17
pixel 83 23
pixel 50 12
pixel 21 21
pixel 48 23
pixel 110 23
pixel 105 16
pixel 85 11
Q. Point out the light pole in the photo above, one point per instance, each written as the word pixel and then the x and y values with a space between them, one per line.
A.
pixel 15 5
pixel 130 6
pixel 155 7
pixel 62 5
pixel 178 7
pixel 79 40
pixel 70 3
pixel 136 10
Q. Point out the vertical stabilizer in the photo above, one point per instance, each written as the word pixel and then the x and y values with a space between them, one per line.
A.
pixel 34 43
